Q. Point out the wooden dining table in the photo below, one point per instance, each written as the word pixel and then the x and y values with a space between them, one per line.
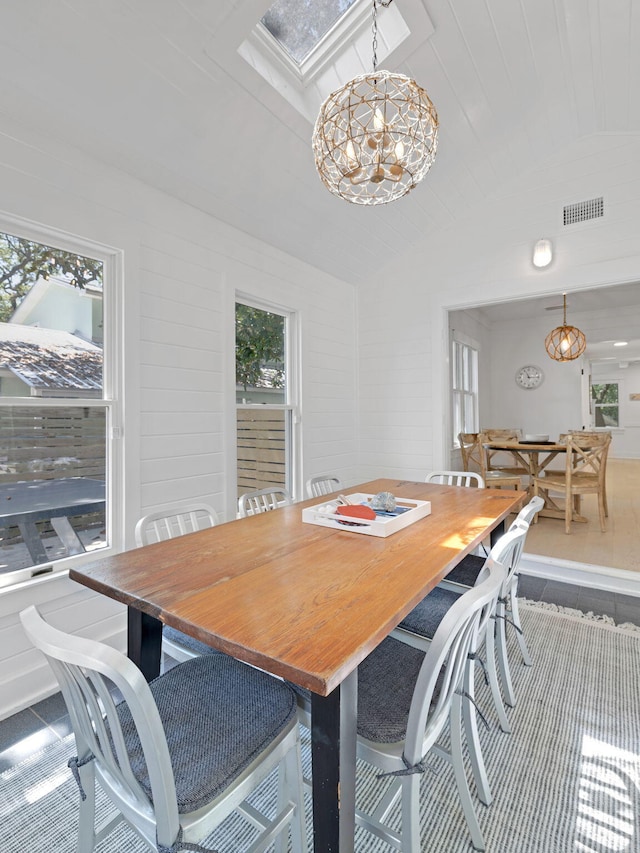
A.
pixel 304 602
pixel 536 457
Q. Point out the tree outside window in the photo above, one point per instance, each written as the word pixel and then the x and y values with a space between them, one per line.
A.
pixel 264 407
pixel 605 399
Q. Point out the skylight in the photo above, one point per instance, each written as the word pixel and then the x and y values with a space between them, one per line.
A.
pixel 299 25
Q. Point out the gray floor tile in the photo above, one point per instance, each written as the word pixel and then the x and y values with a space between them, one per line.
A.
pixel 627 613
pixel 530 587
pixel 51 709
pixel 18 727
pixel 627 600
pixel 598 605
pixel 564 598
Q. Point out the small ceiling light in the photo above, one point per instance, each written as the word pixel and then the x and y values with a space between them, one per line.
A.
pixel 376 137
pixel 565 342
pixel 621 343
pixel 542 253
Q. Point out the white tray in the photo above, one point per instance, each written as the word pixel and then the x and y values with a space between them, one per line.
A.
pixel 324 514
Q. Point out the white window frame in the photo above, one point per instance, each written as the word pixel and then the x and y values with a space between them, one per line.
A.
pixel 291 405
pixel 112 390
pixel 464 394
pixel 342 53
pixel 593 406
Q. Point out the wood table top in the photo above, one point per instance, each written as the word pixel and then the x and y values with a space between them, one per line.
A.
pixel 305 602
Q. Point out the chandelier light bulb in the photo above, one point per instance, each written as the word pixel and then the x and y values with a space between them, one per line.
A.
pixel 565 343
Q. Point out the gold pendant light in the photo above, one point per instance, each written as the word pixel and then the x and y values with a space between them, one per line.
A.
pixel 565 343
pixel 377 136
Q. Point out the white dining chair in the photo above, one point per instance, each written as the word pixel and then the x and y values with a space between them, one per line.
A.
pixel 180 754
pixel 420 626
pixel 263 500
pixel 465 575
pixel 321 485
pixel 456 478
pixel 408 690
pixel 176 521
pixel 167 524
pixel 406 697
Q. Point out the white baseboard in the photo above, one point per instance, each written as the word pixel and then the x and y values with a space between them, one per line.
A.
pixel 581 574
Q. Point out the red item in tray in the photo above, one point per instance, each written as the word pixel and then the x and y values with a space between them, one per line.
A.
pixel 356 511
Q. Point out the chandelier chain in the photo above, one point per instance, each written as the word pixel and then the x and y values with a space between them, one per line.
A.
pixel 374 28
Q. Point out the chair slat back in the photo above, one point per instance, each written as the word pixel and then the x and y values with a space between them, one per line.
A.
pixel 526 514
pixel 587 457
pixel 167 524
pixel 508 551
pixel 456 478
pixel 323 484
pixel 443 668
pixel 85 670
pixel 262 500
pixel 510 434
pixel 472 452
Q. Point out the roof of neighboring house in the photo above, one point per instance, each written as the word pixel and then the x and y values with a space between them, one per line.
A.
pixel 47 358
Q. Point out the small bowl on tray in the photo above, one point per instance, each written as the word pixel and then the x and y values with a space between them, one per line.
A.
pixel 536 438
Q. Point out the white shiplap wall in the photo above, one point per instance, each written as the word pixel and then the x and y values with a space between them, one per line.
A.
pixel 486 257
pixel 181 271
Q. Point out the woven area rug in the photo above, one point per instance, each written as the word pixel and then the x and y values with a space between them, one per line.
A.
pixel 566 779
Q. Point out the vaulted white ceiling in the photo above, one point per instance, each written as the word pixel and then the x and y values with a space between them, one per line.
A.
pixel 156 88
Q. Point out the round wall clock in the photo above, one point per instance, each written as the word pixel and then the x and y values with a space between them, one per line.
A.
pixel 529 376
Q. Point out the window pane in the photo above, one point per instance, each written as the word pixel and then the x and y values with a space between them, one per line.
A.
pixel 52 455
pixel 52 484
pixel 51 329
pixel 608 416
pixel 260 356
pixel 605 398
pixel 465 385
pixel 458 372
pixel 469 413
pixel 605 392
pixel 263 440
pixel 299 25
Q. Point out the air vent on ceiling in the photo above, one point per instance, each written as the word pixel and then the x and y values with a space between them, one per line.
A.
pixel 583 210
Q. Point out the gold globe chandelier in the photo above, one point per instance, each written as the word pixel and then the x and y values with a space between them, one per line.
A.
pixel 565 343
pixel 376 137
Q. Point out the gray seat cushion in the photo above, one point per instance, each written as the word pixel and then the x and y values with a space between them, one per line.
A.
pixel 188 642
pixel 426 616
pixel 385 688
pixel 218 715
pixel 467 571
pixel 386 680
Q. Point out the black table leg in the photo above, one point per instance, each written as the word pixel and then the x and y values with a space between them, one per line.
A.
pixel 496 533
pixel 333 751
pixel 144 642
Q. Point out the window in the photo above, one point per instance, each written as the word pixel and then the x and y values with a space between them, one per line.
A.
pixel 303 49
pixel 465 389
pixel 55 414
pixel 605 401
pixel 299 27
pixel 265 398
